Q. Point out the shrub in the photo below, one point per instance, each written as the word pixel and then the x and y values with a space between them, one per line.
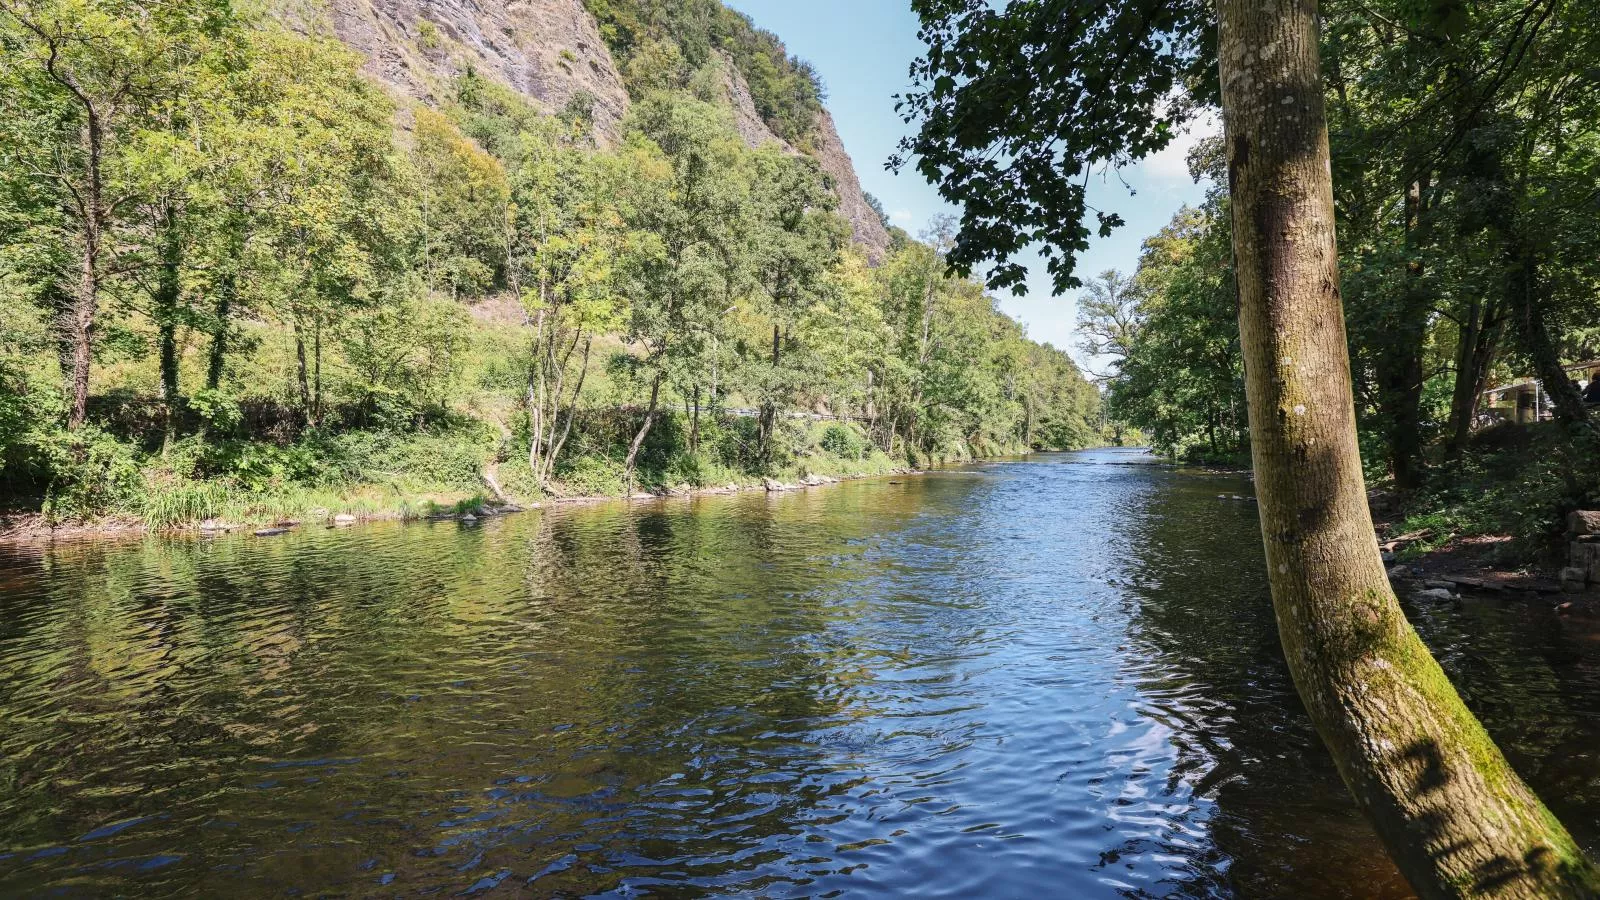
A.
pixel 590 476
pixel 91 474
pixel 842 441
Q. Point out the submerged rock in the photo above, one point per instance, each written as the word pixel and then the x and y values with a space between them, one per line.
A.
pixel 1574 580
pixel 1440 595
pixel 270 532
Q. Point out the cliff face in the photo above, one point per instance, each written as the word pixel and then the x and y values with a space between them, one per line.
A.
pixel 829 152
pixel 547 50
pixel 551 51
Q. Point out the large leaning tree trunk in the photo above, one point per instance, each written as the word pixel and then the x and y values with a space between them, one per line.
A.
pixel 1454 816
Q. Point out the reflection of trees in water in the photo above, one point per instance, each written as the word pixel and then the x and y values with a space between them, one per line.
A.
pixel 1533 678
pixel 1210 665
pixel 1207 660
pixel 707 621
pixel 633 688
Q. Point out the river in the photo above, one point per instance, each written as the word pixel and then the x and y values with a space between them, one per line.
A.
pixel 1053 677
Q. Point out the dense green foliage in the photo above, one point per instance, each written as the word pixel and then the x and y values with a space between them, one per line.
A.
pixel 661 44
pixel 1466 154
pixel 1466 198
pixel 1017 103
pixel 306 297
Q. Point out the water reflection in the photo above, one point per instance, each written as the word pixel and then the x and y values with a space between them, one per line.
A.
pixel 1056 678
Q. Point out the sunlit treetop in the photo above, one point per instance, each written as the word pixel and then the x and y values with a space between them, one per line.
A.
pixel 1019 103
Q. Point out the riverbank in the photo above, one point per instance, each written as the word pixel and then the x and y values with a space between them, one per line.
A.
pixel 1446 570
pixel 362 504
pixel 1429 559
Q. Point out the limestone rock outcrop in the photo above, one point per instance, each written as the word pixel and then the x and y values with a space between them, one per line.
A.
pixel 548 50
pixel 551 51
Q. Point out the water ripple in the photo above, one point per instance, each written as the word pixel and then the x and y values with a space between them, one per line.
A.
pixel 1054 678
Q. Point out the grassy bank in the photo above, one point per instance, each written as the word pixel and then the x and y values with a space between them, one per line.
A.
pixel 455 468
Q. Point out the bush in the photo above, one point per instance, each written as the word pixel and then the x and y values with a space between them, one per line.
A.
pixel 843 442
pixel 171 502
pixel 590 476
pixel 91 474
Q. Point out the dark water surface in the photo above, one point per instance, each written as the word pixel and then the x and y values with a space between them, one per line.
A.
pixel 1047 678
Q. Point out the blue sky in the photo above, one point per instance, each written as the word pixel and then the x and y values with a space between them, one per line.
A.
pixel 863 49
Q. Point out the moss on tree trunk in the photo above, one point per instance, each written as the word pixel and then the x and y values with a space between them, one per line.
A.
pixel 1454 816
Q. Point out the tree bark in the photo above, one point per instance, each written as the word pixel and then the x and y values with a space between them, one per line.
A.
pixel 694 424
pixel 1533 331
pixel 302 373
pixel 168 293
pixel 316 371
pixel 84 306
pixel 769 410
pixel 219 336
pixel 1454 816
pixel 536 383
pixel 644 431
pixel 94 215
pixel 1401 378
pixel 572 412
pixel 1476 349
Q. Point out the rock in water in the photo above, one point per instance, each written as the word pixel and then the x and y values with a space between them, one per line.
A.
pixel 1574 580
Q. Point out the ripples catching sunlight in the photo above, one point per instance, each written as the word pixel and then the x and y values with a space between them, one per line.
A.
pixel 1047 678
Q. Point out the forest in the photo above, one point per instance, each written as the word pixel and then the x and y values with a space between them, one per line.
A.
pixel 239 280
pixel 1465 158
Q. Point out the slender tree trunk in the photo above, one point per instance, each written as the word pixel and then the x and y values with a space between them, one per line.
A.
pixel 562 367
pixel 316 373
pixel 769 409
pixel 644 431
pixel 694 423
pixel 572 412
pixel 168 293
pixel 1400 382
pixel 84 307
pixel 302 373
pixel 1464 397
pixel 1454 816
pixel 86 302
pixel 536 383
pixel 219 335
pixel 1476 350
pixel 1533 332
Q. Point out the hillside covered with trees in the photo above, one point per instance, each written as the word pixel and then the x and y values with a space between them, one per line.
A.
pixel 241 279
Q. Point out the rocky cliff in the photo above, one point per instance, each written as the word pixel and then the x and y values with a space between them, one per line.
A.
pixel 827 149
pixel 830 152
pixel 547 50
pixel 551 51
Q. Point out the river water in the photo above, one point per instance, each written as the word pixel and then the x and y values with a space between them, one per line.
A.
pixel 1055 677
